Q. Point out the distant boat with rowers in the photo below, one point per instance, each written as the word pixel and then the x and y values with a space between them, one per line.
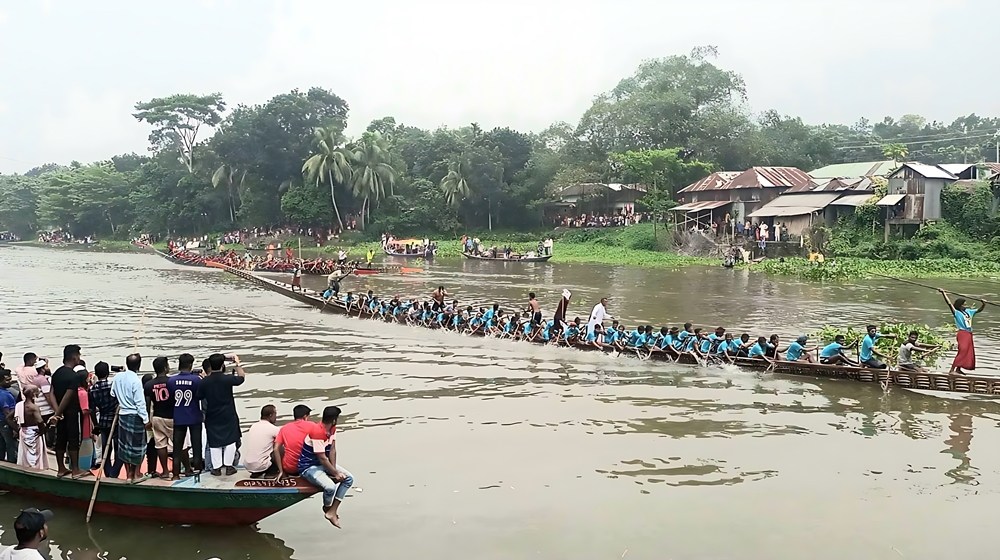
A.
pixel 204 500
pixel 410 248
pixel 530 257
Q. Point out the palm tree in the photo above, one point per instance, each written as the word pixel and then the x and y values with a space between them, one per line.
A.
pixel 454 184
pixel 897 152
pixel 227 174
pixel 330 162
pixel 372 171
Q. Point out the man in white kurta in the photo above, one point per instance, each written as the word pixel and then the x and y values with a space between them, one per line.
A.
pixel 598 315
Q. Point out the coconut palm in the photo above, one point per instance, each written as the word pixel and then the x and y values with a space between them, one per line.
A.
pixel 226 175
pixel 372 171
pixel 455 185
pixel 330 163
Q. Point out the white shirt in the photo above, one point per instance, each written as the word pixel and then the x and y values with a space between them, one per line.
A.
pixel 597 316
pixel 24 554
pixel 341 256
pixel 258 446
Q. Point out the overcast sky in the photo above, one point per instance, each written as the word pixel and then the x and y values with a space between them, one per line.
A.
pixel 71 71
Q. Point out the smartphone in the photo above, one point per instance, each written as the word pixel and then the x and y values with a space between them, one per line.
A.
pixel 117 369
pixel 197 371
pixel 230 358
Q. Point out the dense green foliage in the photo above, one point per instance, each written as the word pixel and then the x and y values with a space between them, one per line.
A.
pixel 890 347
pixel 674 120
pixel 851 268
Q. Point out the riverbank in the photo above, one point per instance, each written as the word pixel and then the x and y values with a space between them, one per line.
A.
pixel 629 246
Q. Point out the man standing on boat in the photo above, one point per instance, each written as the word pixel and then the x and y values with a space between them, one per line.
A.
pixel 536 311
pixel 31 451
pixel 8 424
pixel 439 294
pixel 183 388
pixel 318 464
pixel 966 356
pixel 297 276
pixel 133 418
pixel 68 417
pixel 598 315
pixel 222 422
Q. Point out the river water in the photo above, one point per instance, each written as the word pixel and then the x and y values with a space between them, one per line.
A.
pixel 468 448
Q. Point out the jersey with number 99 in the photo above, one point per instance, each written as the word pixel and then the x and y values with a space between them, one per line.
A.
pixel 182 389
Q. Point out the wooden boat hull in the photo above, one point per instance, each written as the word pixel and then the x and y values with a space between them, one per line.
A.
pixel 208 501
pixel 411 255
pixel 514 260
pixel 983 385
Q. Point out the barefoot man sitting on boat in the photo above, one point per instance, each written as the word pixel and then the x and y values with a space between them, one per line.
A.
pixel 318 464
pixel 966 357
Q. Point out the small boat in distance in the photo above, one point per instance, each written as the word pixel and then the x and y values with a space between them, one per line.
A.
pixel 410 248
pixel 513 258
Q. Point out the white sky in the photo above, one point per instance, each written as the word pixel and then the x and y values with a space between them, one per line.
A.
pixel 71 71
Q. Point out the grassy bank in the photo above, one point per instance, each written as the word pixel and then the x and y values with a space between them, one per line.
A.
pixel 855 268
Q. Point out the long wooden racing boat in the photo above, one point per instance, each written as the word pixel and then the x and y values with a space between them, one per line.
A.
pixel 202 500
pixel 517 259
pixel 355 268
pixel 982 385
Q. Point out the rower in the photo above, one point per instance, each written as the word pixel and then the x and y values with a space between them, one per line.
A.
pixel 341 257
pixel 833 353
pixel 772 351
pixel 489 316
pixel 572 332
pixel 868 352
pixel 682 338
pixel 759 350
pixel 906 350
pixel 659 341
pixel 727 347
pixel 797 351
pixel 742 348
pixel 635 336
pixel 596 337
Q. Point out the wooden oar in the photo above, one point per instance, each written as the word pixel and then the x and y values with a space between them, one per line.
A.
pixel 114 423
pixel 974 298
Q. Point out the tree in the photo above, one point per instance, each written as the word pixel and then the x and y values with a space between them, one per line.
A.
pixel 454 185
pixel 226 174
pixel 19 203
pixel 895 151
pixel 663 172
pixel 330 162
pixel 177 119
pixel 372 171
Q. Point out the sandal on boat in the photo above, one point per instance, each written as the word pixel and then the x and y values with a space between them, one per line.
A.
pixel 64 474
pixel 141 479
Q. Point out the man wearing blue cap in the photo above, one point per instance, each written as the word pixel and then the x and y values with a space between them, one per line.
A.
pixel 31 529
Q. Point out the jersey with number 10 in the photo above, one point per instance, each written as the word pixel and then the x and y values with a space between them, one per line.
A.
pixel 183 387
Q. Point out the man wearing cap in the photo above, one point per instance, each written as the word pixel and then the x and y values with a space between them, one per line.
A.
pixel 31 529
pixel 797 351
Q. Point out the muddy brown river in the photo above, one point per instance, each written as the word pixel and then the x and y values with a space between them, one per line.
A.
pixel 470 448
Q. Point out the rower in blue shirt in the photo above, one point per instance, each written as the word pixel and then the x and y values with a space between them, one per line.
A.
pixel 833 353
pixel 760 349
pixel 868 352
pixel 798 352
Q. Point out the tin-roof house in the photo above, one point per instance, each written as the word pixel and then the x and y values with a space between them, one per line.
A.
pixel 737 193
pixel 915 194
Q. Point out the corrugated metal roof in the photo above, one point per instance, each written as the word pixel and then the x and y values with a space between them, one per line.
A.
pixel 703 205
pixel 580 189
pixel 859 169
pixel 795 204
pixel 852 200
pixel 765 177
pixel 713 182
pixel 927 171
pixel 994 169
pixel 956 168
pixel 891 199
pixel 837 184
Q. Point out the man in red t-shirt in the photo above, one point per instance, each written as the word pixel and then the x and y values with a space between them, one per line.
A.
pixel 288 443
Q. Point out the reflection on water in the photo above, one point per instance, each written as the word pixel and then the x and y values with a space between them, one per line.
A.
pixel 472 448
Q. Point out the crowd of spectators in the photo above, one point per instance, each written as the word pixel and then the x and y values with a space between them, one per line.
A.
pixel 625 217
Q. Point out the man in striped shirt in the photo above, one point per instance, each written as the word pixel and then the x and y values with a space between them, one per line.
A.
pixel 318 464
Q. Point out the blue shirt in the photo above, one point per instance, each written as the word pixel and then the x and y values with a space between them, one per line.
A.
pixel 758 350
pixel 964 320
pixel 572 331
pixel 488 316
pixel 183 387
pixel 127 388
pixel 591 336
pixel 639 340
pixel 831 350
pixel 706 345
pixel 527 328
pixel 723 346
pixel 866 346
pixel 633 337
pixel 794 352
pixel 610 337
pixel 7 400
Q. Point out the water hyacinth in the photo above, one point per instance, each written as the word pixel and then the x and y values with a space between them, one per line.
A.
pixel 890 347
